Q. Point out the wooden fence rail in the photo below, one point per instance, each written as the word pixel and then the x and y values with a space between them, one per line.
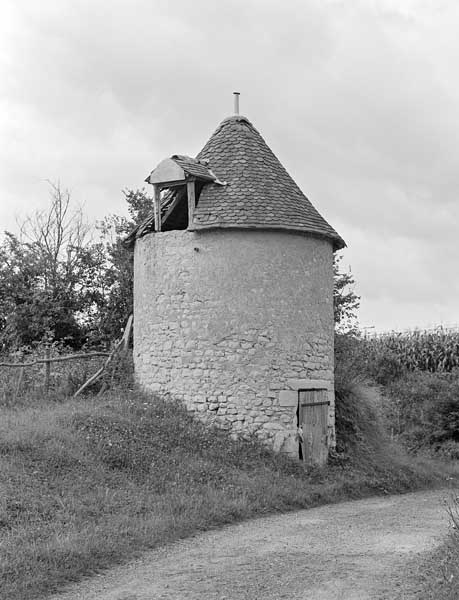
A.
pixel 121 346
pixel 55 359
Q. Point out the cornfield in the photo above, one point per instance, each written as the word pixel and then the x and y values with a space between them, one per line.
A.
pixel 434 350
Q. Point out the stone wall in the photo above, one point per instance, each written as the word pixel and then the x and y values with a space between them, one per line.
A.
pixel 233 323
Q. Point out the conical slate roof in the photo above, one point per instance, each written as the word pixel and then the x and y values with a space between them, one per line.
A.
pixel 259 193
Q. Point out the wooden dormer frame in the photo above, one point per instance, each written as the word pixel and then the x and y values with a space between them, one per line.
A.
pixel 157 206
pixel 191 199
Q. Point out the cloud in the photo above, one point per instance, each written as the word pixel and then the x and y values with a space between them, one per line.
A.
pixel 358 100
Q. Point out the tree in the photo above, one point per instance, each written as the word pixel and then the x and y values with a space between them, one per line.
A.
pixel 119 274
pixel 50 276
pixel 345 300
pixel 57 284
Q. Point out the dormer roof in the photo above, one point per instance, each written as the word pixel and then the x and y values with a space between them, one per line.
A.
pixel 179 168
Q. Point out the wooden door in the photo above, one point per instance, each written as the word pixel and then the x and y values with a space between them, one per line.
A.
pixel 313 421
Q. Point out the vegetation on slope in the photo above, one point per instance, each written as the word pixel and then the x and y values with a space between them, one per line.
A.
pixel 89 483
pixel 419 378
pixel 437 574
pixel 423 409
pixel 420 386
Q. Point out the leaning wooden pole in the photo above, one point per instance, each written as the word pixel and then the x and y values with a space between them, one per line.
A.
pixel 123 343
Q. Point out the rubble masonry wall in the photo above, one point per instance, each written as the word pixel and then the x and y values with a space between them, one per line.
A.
pixel 233 323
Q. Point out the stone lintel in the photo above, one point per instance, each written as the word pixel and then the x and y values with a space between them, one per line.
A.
pixel 309 384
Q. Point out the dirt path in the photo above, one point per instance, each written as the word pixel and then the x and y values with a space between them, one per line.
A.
pixel 355 550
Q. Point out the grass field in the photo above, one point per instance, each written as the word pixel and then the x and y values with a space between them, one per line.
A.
pixel 88 483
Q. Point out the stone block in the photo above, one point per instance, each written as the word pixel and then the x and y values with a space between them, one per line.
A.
pixel 275 386
pixel 278 440
pixel 288 398
pixel 272 426
pixel 290 446
pixel 261 419
pixel 289 419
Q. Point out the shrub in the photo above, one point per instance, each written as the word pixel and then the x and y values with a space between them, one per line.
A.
pixel 350 362
pixel 359 421
pixel 423 409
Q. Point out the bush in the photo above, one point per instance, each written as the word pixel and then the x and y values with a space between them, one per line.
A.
pixel 350 362
pixel 423 409
pixel 361 429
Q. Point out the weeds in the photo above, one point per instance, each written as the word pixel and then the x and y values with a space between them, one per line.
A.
pixel 423 409
pixel 440 570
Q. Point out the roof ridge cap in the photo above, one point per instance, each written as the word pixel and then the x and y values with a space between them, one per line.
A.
pixel 227 121
pixel 236 118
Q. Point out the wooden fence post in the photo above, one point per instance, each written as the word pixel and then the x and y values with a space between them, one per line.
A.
pixel 19 382
pixel 47 370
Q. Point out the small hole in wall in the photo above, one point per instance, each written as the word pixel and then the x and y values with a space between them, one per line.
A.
pixel 196 249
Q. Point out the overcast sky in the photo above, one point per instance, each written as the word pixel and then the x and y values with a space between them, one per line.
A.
pixel 358 99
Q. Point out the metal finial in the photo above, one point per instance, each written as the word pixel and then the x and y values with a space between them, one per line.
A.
pixel 236 102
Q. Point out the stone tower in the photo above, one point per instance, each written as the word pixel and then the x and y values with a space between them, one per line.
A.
pixel 233 292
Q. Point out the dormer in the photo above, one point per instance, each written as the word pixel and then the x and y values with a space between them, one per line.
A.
pixel 177 182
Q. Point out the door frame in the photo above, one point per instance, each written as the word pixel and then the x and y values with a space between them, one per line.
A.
pixel 289 400
pixel 300 420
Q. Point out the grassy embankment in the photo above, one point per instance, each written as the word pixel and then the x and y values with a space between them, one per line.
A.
pixel 88 483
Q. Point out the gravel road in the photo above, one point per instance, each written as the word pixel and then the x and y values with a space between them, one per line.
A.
pixel 351 551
